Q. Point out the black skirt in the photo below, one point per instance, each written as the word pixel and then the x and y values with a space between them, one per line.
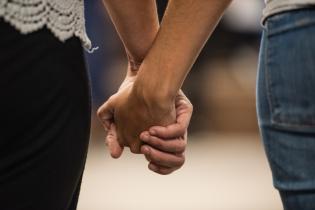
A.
pixel 45 120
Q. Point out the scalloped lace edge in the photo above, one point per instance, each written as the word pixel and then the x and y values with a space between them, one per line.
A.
pixel 64 20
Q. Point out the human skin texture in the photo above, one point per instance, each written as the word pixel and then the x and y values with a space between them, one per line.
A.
pixel 149 94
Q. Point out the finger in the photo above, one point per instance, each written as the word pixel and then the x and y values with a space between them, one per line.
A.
pixel 162 158
pixel 112 142
pixel 170 131
pixel 106 113
pixel 160 169
pixel 184 109
pixel 147 158
pixel 177 129
pixel 177 145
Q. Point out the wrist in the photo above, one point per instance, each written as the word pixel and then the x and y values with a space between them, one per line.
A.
pixel 153 94
pixel 133 65
pixel 133 62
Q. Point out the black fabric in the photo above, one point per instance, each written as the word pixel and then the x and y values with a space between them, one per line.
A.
pixel 45 120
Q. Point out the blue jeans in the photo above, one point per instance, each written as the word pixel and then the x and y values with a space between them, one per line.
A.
pixel 286 105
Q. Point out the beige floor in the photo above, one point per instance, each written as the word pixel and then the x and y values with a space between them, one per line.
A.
pixel 221 173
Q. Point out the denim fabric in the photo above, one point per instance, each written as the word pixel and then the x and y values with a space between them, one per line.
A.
pixel 286 105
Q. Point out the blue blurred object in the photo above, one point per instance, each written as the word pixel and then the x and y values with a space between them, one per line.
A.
pixel 101 34
pixel 286 105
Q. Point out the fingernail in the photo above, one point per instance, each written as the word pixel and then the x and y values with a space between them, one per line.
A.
pixel 152 132
pixel 146 150
pixel 146 137
pixel 143 135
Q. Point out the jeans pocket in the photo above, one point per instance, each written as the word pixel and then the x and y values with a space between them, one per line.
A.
pixel 290 74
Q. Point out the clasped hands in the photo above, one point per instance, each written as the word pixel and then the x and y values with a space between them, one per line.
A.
pixel 148 122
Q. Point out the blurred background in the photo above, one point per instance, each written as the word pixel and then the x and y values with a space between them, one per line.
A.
pixel 226 167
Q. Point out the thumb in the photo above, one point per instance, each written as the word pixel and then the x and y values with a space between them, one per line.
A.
pixel 106 112
pixel 112 142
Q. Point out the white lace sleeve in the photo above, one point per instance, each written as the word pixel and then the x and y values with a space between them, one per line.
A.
pixel 65 18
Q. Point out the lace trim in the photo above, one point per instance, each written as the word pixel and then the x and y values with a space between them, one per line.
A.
pixel 65 18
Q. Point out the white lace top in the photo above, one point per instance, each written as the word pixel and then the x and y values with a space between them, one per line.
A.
pixel 65 18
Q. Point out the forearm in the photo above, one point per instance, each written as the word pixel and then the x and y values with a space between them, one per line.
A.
pixel 136 22
pixel 186 26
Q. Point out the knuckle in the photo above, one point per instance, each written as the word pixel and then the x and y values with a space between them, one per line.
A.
pixel 182 129
pixel 99 112
pixel 134 149
pixel 158 143
pixel 178 164
pixel 182 161
pixel 162 133
pixel 107 141
pixel 156 159
pixel 147 157
pixel 183 144
pixel 109 137
pixel 180 146
pixel 178 149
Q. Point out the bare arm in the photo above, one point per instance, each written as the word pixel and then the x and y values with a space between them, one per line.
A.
pixel 186 26
pixel 137 24
pixel 184 31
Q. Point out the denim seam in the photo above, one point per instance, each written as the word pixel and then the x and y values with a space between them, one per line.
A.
pixel 267 76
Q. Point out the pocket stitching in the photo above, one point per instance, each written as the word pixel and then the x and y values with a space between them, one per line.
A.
pixel 272 101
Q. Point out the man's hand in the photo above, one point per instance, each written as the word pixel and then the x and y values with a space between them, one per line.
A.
pixel 133 110
pixel 165 146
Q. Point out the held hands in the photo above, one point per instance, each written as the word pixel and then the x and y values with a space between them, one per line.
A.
pixel 129 117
